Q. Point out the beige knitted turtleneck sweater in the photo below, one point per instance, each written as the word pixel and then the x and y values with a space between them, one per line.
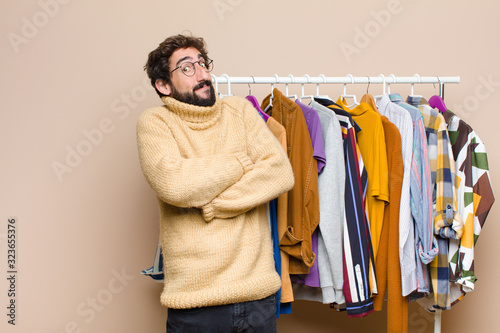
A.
pixel 213 169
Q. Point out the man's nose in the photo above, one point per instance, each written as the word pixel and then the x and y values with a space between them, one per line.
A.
pixel 201 73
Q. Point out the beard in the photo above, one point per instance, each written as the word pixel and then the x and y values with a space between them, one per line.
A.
pixel 193 98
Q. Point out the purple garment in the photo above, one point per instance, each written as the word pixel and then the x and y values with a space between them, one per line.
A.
pixel 256 105
pixel 316 134
pixel 314 126
pixel 311 279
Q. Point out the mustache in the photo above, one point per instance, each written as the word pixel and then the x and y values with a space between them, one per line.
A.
pixel 202 84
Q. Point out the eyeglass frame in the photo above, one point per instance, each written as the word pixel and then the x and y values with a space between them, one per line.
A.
pixel 207 63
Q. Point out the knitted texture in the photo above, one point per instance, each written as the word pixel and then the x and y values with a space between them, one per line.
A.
pixel 213 169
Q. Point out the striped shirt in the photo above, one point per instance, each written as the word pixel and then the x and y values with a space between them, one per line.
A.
pixel 358 252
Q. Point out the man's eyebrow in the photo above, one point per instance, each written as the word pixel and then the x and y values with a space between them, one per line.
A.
pixel 186 58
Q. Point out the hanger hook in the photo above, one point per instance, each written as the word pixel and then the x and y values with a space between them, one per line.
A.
pixel 276 78
pixel 368 86
pixel 345 84
pixel 440 87
pixel 317 86
pixel 393 77
pixel 308 81
pixel 383 82
pixel 413 84
pixel 249 87
pixel 214 79
pixel 345 88
pixel 228 84
pixel 292 79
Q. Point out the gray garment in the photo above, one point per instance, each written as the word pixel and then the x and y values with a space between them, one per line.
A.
pixel 331 190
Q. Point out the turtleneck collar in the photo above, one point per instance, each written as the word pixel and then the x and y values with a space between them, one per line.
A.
pixel 196 117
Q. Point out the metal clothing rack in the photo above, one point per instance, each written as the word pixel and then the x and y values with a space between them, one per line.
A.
pixel 348 79
pixel 386 81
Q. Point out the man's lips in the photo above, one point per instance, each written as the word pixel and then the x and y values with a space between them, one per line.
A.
pixel 202 85
pixel 202 89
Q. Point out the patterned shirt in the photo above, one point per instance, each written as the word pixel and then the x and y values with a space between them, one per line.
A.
pixel 474 199
pixel 426 246
pixel 447 222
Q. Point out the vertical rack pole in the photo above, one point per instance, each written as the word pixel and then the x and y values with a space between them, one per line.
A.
pixel 437 321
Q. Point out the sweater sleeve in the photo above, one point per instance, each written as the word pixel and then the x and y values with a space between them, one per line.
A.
pixel 180 181
pixel 270 176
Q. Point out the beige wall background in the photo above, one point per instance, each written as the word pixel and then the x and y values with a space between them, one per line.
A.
pixel 72 87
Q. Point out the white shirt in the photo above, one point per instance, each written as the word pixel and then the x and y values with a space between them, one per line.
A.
pixel 402 119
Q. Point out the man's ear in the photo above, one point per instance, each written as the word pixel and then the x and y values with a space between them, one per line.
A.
pixel 163 87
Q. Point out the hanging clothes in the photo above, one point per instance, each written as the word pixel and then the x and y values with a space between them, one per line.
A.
pixel 474 199
pixel 372 145
pixel 331 188
pixel 314 129
pixel 402 119
pixel 358 260
pixel 447 222
pixel 388 268
pixel 315 133
pixel 388 259
pixel 421 199
pixel 303 201
pixel 286 293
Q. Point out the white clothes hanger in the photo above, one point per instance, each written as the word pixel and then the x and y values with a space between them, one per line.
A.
pixel 378 97
pixel 270 105
pixel 228 87
pixel 293 97
pixel 345 95
pixel 389 83
pixel 214 79
pixel 317 88
pixel 303 96
pixel 411 89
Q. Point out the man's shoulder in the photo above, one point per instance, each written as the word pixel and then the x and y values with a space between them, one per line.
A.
pixel 235 101
pixel 153 112
pixel 155 109
pixel 237 105
pixel 150 116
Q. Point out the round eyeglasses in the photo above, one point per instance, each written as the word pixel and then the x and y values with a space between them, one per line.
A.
pixel 189 69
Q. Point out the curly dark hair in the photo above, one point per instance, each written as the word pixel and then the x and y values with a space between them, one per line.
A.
pixel 158 64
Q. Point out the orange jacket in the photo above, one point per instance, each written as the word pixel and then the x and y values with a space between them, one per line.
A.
pixel 303 198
